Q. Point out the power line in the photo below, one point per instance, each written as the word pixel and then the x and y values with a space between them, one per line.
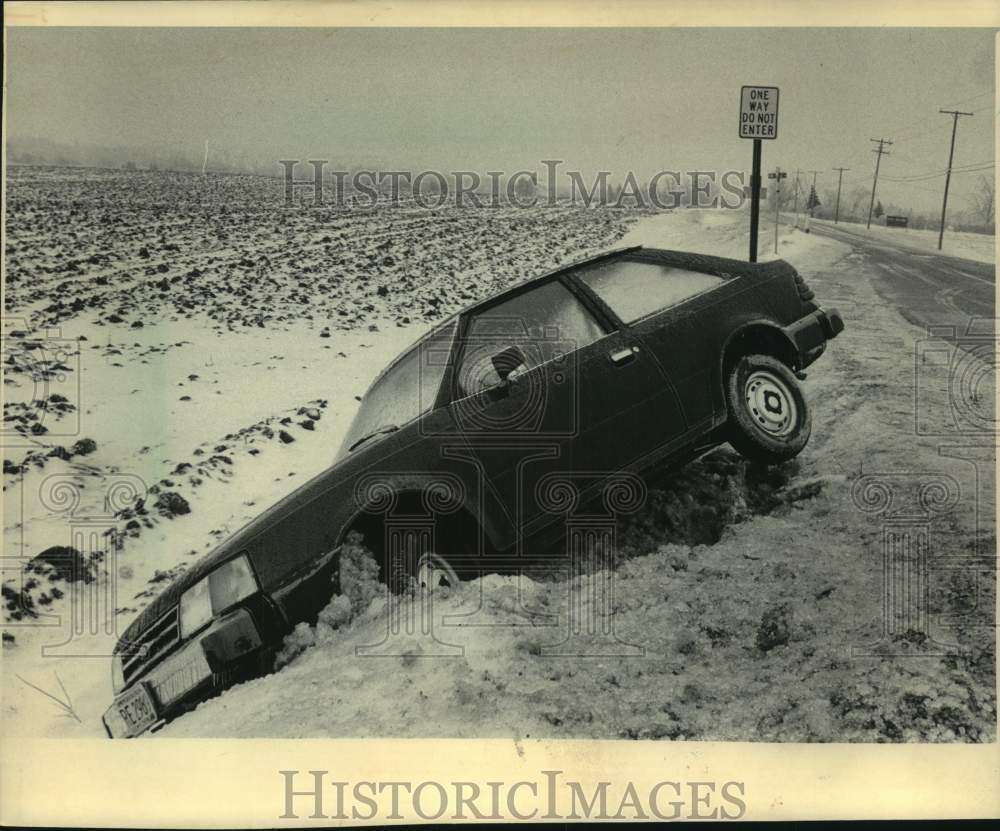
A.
pixel 923 177
pixel 901 131
pixel 914 135
pixel 854 180
pixel 911 185
pixel 971 98
pixel 905 131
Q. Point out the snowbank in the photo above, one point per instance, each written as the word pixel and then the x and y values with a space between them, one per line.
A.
pixel 724 233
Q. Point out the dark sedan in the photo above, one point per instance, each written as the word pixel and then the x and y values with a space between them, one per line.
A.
pixel 635 360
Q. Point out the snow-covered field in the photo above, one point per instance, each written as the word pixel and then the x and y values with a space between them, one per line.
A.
pixel 969 246
pixel 260 326
pixel 213 344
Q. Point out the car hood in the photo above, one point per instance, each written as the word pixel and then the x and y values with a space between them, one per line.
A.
pixel 343 469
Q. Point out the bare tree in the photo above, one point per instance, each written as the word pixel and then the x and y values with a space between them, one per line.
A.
pixel 785 195
pixel 984 200
pixel 856 203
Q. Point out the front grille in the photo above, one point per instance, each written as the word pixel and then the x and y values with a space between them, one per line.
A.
pixel 151 645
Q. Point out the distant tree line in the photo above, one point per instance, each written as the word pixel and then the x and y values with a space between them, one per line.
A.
pixel 975 213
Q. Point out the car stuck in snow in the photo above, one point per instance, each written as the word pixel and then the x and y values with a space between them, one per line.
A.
pixel 637 360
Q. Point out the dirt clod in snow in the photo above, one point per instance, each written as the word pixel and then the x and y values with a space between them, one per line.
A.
pixel 84 447
pixel 696 504
pixel 775 627
pixel 171 504
pixel 62 562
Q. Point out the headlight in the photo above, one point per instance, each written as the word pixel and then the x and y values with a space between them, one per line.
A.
pixel 196 608
pixel 224 587
pixel 117 674
pixel 230 583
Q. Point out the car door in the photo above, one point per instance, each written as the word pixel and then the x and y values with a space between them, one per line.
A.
pixel 667 311
pixel 543 386
pixel 632 413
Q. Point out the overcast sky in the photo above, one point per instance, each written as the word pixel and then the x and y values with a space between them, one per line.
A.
pixel 616 99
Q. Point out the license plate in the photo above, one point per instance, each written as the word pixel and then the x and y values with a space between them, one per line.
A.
pixel 136 710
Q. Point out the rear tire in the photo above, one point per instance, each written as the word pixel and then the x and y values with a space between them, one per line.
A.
pixel 433 572
pixel 769 418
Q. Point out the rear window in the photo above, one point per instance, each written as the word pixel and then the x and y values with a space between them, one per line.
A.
pixel 634 290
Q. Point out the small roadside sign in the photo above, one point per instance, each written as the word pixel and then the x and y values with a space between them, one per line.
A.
pixel 759 112
pixel 758 120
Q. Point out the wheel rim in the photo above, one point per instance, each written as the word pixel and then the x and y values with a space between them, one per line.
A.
pixel 770 403
pixel 434 572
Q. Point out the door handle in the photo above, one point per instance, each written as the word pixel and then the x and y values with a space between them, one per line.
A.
pixel 624 355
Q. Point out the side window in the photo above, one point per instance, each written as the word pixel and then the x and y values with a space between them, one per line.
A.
pixel 524 332
pixel 633 289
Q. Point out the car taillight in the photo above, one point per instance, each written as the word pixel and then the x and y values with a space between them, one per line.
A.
pixel 805 293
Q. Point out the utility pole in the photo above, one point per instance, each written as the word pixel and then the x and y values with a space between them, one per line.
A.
pixel 878 159
pixel 796 209
pixel 947 179
pixel 840 179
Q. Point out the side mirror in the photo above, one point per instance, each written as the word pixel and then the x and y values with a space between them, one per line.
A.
pixel 506 362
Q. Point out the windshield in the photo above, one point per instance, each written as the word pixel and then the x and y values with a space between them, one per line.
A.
pixel 406 390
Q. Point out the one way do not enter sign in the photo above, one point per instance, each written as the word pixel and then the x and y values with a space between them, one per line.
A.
pixel 759 113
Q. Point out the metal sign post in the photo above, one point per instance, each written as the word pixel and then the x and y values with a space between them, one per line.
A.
pixel 754 200
pixel 758 121
pixel 778 175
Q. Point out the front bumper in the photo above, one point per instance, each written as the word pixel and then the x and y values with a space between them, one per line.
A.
pixel 810 334
pixel 197 665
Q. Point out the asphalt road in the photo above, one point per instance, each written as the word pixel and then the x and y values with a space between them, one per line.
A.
pixel 929 289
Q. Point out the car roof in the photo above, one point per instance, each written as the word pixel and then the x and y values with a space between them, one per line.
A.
pixel 514 288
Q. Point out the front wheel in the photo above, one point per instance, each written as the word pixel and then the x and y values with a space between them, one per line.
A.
pixel 769 419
